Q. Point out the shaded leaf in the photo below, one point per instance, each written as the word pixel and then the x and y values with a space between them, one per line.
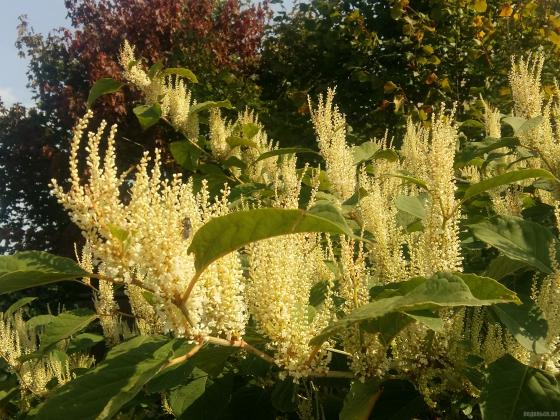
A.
pixel 181 71
pixel 101 392
pixel 505 179
pixel 65 325
pixel 103 87
pixel 285 151
pixel 518 239
pixel 14 307
pixel 148 115
pixel 360 400
pixel 439 291
pixel 35 268
pixel 526 323
pixel 514 388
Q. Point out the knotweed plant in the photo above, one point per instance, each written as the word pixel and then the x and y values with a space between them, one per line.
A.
pixel 427 272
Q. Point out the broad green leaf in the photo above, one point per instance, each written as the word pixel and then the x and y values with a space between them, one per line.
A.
pixel 184 396
pixel 118 233
pixel 399 400
pixel 285 151
pixel 530 124
pixel 387 326
pixel 249 130
pixel 439 291
pixel 65 325
pixel 475 149
pixel 203 106
pixel 35 268
pixel 14 307
pixel 526 323
pixel 505 179
pixel 514 122
pixel 212 359
pixel 412 205
pixel 225 234
pixel 513 388
pixel 387 154
pixel 411 179
pixel 235 141
pixel 364 152
pixel 521 125
pixel 284 395
pixel 213 403
pixel 502 266
pixel 39 321
pixel 360 400
pixel 83 341
pixel 518 239
pixel 103 87
pixel 181 71
pixel 148 115
pixel 101 392
pixel 185 154
pixel 155 69
pixel 427 318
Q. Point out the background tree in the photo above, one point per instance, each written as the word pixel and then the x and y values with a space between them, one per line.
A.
pixel 218 40
pixel 389 58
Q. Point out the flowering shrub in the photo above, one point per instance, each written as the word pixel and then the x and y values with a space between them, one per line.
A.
pixel 411 281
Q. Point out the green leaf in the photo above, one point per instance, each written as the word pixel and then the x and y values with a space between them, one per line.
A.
pixel 411 179
pixel 505 179
pixel 183 397
pixel 213 403
pixel 185 154
pixel 502 266
pixel 514 388
pixel 521 125
pixel 18 305
pixel 518 239
pixel 203 106
pixel 225 234
pixel 364 152
pixel 235 141
pixel 118 233
pixel 181 71
pixel 65 325
pixel 250 130
pixel 387 154
pixel 155 69
pixel 387 326
pixel 212 359
pixel 148 115
pixel 439 291
pixel 428 318
pixel 101 392
pixel 284 395
pixel 35 268
pixel 526 323
pixel 360 400
pixel 103 87
pixel 414 205
pixel 285 151
pixel 83 341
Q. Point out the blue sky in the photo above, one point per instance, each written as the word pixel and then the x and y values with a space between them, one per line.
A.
pixel 43 15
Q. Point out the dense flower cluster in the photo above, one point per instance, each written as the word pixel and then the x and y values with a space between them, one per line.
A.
pixel 138 230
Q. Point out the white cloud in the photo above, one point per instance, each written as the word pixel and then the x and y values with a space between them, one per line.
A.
pixel 7 95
